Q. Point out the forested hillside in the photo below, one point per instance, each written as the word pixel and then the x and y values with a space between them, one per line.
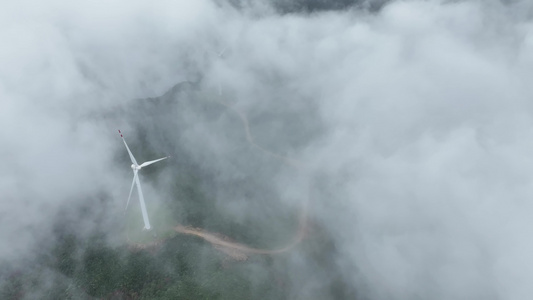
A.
pixel 191 188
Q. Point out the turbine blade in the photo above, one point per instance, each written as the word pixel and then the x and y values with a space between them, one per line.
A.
pixel 131 189
pixel 133 161
pixel 143 205
pixel 144 164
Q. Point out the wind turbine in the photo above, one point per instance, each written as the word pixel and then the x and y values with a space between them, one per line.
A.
pixel 219 54
pixel 136 168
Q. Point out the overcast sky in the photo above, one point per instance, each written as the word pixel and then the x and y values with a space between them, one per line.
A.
pixel 425 110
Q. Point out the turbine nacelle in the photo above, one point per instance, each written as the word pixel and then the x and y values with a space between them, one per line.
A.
pixel 135 168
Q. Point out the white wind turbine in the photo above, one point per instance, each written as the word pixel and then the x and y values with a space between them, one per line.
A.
pixel 219 54
pixel 136 168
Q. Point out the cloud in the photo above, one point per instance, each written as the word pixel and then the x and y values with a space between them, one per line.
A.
pixel 414 119
pixel 426 111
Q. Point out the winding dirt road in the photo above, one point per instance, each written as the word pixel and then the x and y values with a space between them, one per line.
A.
pixel 236 250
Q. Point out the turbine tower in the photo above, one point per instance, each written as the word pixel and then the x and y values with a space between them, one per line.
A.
pixel 136 168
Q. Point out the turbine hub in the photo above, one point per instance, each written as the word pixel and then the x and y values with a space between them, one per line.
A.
pixel 133 167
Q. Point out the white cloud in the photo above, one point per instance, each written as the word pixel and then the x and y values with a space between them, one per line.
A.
pixel 424 106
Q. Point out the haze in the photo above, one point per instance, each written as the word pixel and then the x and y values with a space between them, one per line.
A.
pixel 414 121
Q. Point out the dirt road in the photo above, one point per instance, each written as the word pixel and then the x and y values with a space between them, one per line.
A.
pixel 237 250
pixel 216 240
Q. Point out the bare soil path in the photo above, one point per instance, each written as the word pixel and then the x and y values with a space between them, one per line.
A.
pixel 236 250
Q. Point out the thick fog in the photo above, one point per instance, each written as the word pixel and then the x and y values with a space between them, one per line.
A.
pixel 411 119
